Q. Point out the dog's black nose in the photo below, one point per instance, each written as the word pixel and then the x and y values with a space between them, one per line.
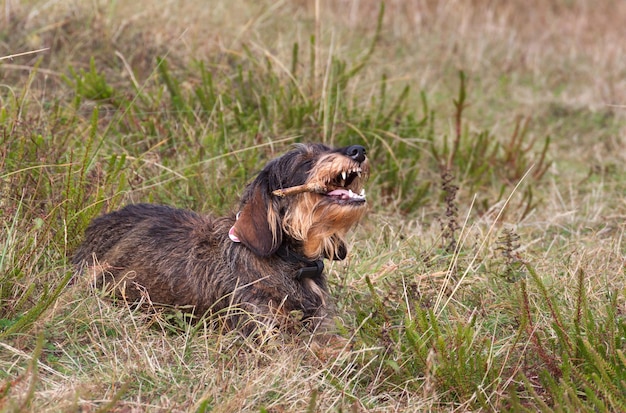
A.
pixel 356 152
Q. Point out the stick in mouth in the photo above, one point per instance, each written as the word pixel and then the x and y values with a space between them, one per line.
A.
pixel 298 189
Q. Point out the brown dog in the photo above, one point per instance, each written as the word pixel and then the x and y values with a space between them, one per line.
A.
pixel 266 261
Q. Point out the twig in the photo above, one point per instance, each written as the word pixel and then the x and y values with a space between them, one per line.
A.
pixel 11 56
pixel 298 189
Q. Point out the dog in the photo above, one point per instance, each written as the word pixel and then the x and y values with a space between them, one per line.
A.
pixel 263 263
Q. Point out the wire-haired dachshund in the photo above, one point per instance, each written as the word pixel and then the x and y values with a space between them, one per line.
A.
pixel 263 263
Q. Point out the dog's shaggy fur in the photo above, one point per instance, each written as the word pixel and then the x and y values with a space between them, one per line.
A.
pixel 266 260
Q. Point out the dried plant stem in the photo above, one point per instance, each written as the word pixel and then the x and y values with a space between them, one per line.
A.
pixel 298 189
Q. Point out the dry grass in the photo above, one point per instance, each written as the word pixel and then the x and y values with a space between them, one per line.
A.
pixel 559 64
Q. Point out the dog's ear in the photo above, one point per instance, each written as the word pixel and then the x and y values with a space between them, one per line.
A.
pixel 257 226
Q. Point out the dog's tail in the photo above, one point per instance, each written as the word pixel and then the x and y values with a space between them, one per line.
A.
pixel 104 232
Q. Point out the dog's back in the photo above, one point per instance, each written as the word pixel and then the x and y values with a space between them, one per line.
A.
pixel 107 230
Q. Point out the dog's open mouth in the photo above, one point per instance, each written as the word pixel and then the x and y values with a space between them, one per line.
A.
pixel 346 186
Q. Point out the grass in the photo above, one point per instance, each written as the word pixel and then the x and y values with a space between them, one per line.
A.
pixel 488 275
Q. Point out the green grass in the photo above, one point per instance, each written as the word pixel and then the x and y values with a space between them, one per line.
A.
pixel 488 274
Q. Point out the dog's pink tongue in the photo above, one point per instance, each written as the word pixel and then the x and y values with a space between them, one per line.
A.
pixel 339 193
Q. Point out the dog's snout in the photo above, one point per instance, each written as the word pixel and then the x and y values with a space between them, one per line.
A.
pixel 356 152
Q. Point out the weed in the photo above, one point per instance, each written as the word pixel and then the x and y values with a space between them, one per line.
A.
pixel 90 85
pixel 584 362
pixel 508 246
pixel 450 226
pixel 478 159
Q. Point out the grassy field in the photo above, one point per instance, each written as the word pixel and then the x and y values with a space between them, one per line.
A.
pixel 488 275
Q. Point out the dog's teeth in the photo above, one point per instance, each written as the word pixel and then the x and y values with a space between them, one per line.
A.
pixel 344 175
pixel 363 192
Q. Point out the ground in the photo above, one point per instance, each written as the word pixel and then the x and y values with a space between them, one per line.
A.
pixel 487 275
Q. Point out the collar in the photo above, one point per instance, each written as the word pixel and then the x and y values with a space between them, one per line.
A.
pixel 312 269
pixel 231 233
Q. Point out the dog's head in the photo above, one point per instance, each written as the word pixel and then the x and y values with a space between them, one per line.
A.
pixel 309 198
